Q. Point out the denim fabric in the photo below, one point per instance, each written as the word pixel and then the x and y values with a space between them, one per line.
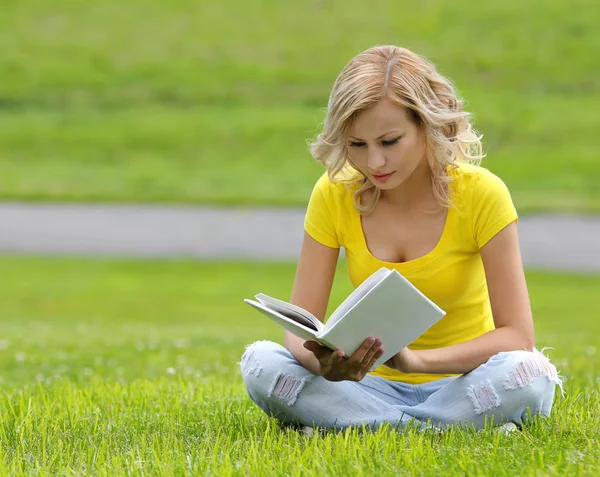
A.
pixel 508 387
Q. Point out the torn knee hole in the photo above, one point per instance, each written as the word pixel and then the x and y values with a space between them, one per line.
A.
pixel 250 364
pixel 287 388
pixel 483 396
pixel 531 368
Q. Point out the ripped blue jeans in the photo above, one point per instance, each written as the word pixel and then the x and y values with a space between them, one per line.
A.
pixel 509 387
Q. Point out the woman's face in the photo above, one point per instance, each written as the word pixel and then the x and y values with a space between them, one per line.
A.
pixel 386 145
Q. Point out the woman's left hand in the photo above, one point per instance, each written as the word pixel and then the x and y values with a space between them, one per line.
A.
pixel 406 361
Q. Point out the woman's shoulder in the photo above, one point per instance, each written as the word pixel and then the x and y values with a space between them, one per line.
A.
pixel 471 181
pixel 327 214
pixel 485 201
pixel 339 187
pixel 467 172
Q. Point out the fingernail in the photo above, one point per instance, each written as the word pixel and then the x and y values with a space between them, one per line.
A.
pixel 371 340
pixel 379 342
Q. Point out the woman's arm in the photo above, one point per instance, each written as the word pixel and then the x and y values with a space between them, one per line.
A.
pixel 312 288
pixel 511 310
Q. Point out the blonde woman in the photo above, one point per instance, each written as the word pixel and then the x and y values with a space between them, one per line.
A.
pixel 403 189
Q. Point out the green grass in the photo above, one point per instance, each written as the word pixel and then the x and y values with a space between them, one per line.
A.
pixel 212 102
pixel 129 367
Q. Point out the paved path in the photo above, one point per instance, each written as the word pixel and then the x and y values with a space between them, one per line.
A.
pixel 547 241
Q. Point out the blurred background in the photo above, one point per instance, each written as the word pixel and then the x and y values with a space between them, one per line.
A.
pixel 211 103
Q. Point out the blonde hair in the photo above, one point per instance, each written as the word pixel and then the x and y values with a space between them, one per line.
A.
pixel 409 81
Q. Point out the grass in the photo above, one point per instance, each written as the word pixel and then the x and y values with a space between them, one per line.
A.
pixel 129 367
pixel 212 102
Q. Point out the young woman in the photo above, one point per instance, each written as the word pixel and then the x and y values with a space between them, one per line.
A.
pixel 403 190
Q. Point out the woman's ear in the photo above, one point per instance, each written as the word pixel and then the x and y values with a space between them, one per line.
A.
pixel 449 130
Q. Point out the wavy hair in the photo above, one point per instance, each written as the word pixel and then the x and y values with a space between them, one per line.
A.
pixel 413 82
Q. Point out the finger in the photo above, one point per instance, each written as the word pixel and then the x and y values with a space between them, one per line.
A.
pixel 358 356
pixel 363 354
pixel 337 357
pixel 374 359
pixel 318 350
pixel 342 365
pixel 371 353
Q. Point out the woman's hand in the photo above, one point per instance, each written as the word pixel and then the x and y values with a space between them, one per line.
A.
pixel 335 367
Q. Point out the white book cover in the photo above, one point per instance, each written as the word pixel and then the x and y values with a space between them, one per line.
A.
pixel 385 305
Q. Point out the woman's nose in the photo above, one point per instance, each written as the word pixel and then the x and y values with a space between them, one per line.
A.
pixel 376 160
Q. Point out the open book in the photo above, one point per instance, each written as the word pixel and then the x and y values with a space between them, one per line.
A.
pixel 385 305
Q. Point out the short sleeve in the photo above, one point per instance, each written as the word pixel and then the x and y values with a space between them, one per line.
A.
pixel 493 208
pixel 319 221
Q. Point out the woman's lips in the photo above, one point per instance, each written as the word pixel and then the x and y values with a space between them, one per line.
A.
pixel 382 178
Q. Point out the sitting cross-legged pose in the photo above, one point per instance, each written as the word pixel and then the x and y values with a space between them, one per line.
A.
pixel 403 189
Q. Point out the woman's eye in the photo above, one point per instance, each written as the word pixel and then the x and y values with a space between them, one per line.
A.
pixel 391 142
pixel 356 144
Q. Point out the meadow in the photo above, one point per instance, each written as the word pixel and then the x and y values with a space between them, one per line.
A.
pixel 213 102
pixel 130 368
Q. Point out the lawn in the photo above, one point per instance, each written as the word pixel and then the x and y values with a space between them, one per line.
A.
pixel 129 367
pixel 212 102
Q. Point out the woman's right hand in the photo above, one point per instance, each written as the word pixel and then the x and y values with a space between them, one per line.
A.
pixel 336 367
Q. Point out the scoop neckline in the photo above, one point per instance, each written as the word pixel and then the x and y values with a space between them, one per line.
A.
pixel 415 262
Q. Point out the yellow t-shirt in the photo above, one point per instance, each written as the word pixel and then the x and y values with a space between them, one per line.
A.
pixel 451 275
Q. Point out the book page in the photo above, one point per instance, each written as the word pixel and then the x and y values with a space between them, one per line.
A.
pixel 356 296
pixel 289 324
pixel 291 311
